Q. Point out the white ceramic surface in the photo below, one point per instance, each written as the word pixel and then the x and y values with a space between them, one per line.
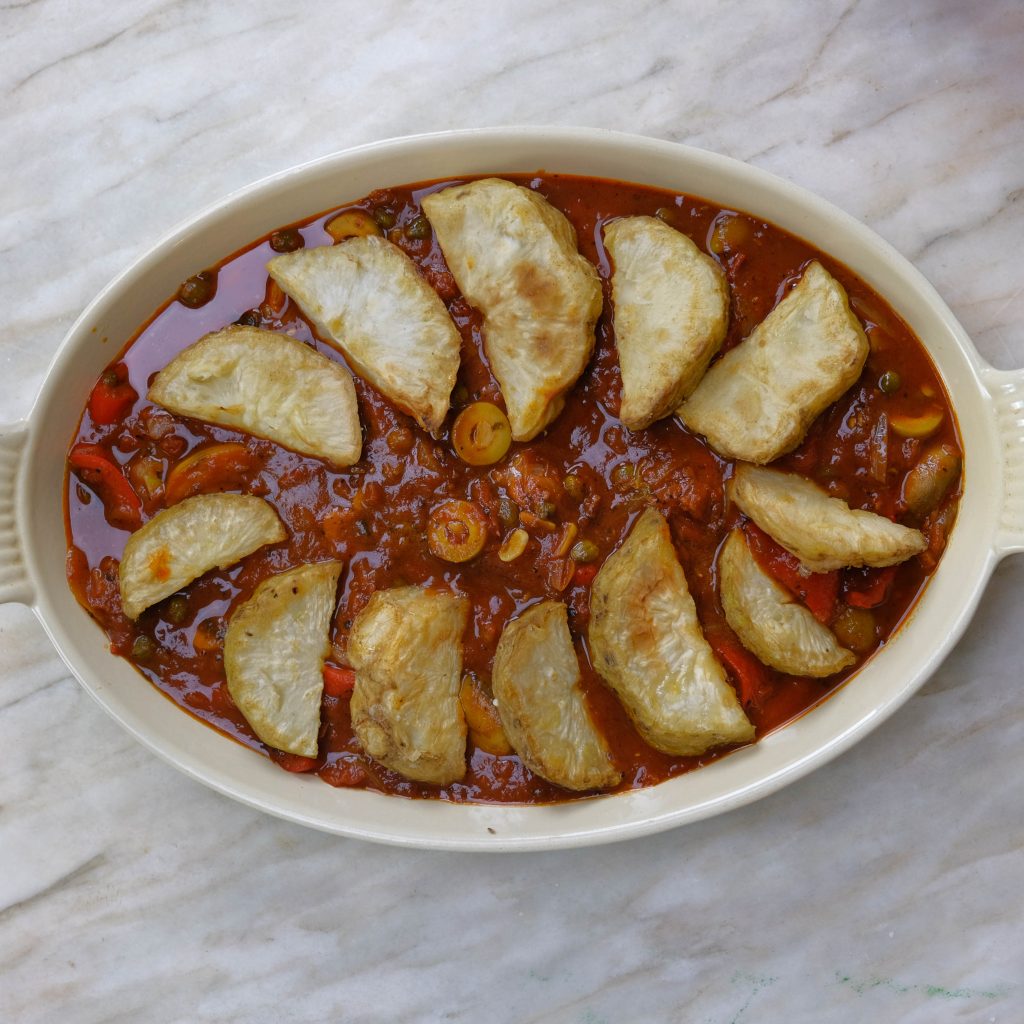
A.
pixel 988 404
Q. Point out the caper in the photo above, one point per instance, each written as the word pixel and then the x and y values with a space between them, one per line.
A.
pixel 176 610
pixel 890 382
pixel 460 395
pixel 584 551
pixel 286 240
pixel 143 648
pixel 418 228
pixel 665 213
pixel 250 318
pixel 573 487
pixel 546 509
pixel 384 217
pixel 508 513
pixel 623 473
pixel 198 290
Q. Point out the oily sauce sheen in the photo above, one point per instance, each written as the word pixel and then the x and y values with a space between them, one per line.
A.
pixel 374 515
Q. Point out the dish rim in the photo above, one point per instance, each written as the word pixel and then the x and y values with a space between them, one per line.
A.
pixel 781 757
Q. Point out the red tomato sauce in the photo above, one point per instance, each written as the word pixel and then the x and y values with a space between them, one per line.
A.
pixel 374 515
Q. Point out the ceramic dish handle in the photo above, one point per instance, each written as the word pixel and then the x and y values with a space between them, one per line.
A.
pixel 15 584
pixel 1007 390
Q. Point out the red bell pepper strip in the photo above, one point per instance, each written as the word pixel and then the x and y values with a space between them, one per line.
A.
pixel 338 681
pixel 112 396
pixel 750 675
pixel 293 762
pixel 869 587
pixel 817 590
pixel 99 471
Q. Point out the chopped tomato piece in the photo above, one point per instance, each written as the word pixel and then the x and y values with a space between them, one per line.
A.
pixel 112 396
pixel 817 590
pixel 98 471
pixel 338 681
pixel 344 772
pixel 293 762
pixel 584 575
pixel 868 588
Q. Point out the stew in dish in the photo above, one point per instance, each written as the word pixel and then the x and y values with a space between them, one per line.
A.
pixel 511 489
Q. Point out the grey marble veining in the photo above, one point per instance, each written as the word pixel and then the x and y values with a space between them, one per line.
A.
pixel 885 886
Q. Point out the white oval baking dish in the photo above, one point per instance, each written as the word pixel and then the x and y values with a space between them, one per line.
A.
pixel 989 404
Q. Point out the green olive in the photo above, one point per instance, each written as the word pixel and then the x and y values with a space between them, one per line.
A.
pixel 890 382
pixel 143 648
pixel 198 290
pixel 584 551
pixel 418 228
pixel 927 483
pixel 508 513
pixel 286 240
pixel 855 629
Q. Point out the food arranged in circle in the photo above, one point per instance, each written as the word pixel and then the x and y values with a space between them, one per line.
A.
pixel 511 489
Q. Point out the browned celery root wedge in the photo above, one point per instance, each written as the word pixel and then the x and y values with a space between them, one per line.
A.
pixel 822 531
pixel 758 400
pixel 671 315
pixel 274 655
pixel 646 642
pixel 367 296
pixel 266 384
pixel 769 622
pixel 189 539
pixel 406 648
pixel 536 681
pixel 514 258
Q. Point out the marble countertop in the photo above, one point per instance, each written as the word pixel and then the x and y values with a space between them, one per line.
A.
pixel 885 886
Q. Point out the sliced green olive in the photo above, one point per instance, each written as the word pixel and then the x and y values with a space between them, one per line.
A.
pixel 457 531
pixel 481 434
pixel 917 426
pixel 352 224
